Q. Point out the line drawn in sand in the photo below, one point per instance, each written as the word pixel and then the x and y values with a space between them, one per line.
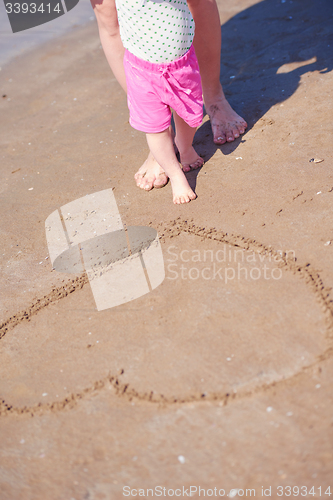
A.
pixel 125 389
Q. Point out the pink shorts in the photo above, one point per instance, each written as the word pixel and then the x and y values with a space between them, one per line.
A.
pixel 154 88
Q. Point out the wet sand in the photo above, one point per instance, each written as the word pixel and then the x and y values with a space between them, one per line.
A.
pixel 221 376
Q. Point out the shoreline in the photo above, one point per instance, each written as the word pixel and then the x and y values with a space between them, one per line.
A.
pixel 20 44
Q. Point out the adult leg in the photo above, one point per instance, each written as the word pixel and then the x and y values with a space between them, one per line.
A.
pixel 150 174
pixel 226 124
pixel 107 20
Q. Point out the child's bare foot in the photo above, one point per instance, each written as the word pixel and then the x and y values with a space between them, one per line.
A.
pixel 151 175
pixel 182 193
pixel 189 158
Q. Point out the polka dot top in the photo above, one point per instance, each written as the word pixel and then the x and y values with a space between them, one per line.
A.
pixel 155 30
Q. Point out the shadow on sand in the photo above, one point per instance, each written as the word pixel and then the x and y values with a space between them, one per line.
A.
pixel 265 51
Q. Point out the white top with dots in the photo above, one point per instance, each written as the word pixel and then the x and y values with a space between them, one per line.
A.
pixel 155 30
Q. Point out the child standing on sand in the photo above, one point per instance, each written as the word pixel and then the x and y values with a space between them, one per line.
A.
pixel 162 73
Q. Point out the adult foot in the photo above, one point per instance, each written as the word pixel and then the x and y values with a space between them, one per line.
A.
pixel 150 175
pixel 226 124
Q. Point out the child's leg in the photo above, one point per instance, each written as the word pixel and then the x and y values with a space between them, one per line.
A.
pixel 183 140
pixel 161 146
pixel 150 175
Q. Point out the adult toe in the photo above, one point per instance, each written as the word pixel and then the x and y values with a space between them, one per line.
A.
pixel 144 182
pixel 147 184
pixel 241 126
pixel 219 135
pixel 138 178
pixel 230 134
pixel 160 181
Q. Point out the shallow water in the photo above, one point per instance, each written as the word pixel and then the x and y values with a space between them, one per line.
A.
pixel 14 44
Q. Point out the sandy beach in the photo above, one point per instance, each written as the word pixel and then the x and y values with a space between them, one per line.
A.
pixel 221 376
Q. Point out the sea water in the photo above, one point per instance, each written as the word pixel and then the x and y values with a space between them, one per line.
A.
pixel 14 44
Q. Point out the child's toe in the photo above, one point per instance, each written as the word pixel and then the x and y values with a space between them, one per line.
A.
pixel 186 167
pixel 197 164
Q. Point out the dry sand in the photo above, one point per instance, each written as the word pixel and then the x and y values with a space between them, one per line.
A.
pixel 213 382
